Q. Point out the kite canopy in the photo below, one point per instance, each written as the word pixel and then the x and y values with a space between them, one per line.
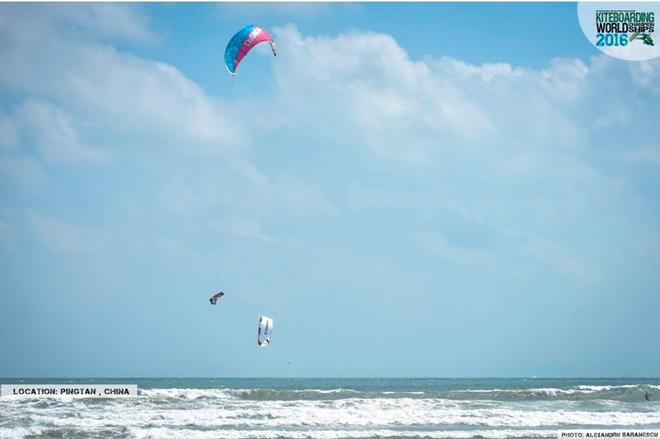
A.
pixel 264 331
pixel 241 43
pixel 214 298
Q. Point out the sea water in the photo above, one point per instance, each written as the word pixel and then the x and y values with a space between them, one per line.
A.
pixel 336 408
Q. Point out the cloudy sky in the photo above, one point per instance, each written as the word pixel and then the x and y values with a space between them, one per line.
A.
pixel 408 190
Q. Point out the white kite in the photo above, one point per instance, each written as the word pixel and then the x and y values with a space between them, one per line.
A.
pixel 264 332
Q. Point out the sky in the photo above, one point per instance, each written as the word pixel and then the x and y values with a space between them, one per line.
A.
pixel 408 190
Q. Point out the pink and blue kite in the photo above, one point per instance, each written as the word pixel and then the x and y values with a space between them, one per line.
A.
pixel 241 43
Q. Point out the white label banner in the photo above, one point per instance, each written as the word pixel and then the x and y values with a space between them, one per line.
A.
pixel 75 390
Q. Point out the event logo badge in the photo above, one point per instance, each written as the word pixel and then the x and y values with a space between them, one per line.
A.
pixel 622 30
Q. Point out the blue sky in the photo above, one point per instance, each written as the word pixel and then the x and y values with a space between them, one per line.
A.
pixel 407 189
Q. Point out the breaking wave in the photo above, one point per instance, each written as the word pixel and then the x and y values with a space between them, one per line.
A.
pixel 352 409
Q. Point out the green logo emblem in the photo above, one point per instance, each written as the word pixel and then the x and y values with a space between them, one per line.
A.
pixel 646 38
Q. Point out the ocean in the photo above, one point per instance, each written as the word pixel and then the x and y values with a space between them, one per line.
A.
pixel 336 408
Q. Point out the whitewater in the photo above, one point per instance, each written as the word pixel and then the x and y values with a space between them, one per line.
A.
pixel 336 408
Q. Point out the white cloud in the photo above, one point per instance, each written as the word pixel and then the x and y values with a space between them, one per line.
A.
pixel 366 85
pixel 498 123
pixel 116 95
pixel 106 20
pixel 25 22
pixel 151 102
pixel 509 146
pixel 54 135
pixel 523 149
pixel 565 79
pixel 431 115
pixel 645 75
